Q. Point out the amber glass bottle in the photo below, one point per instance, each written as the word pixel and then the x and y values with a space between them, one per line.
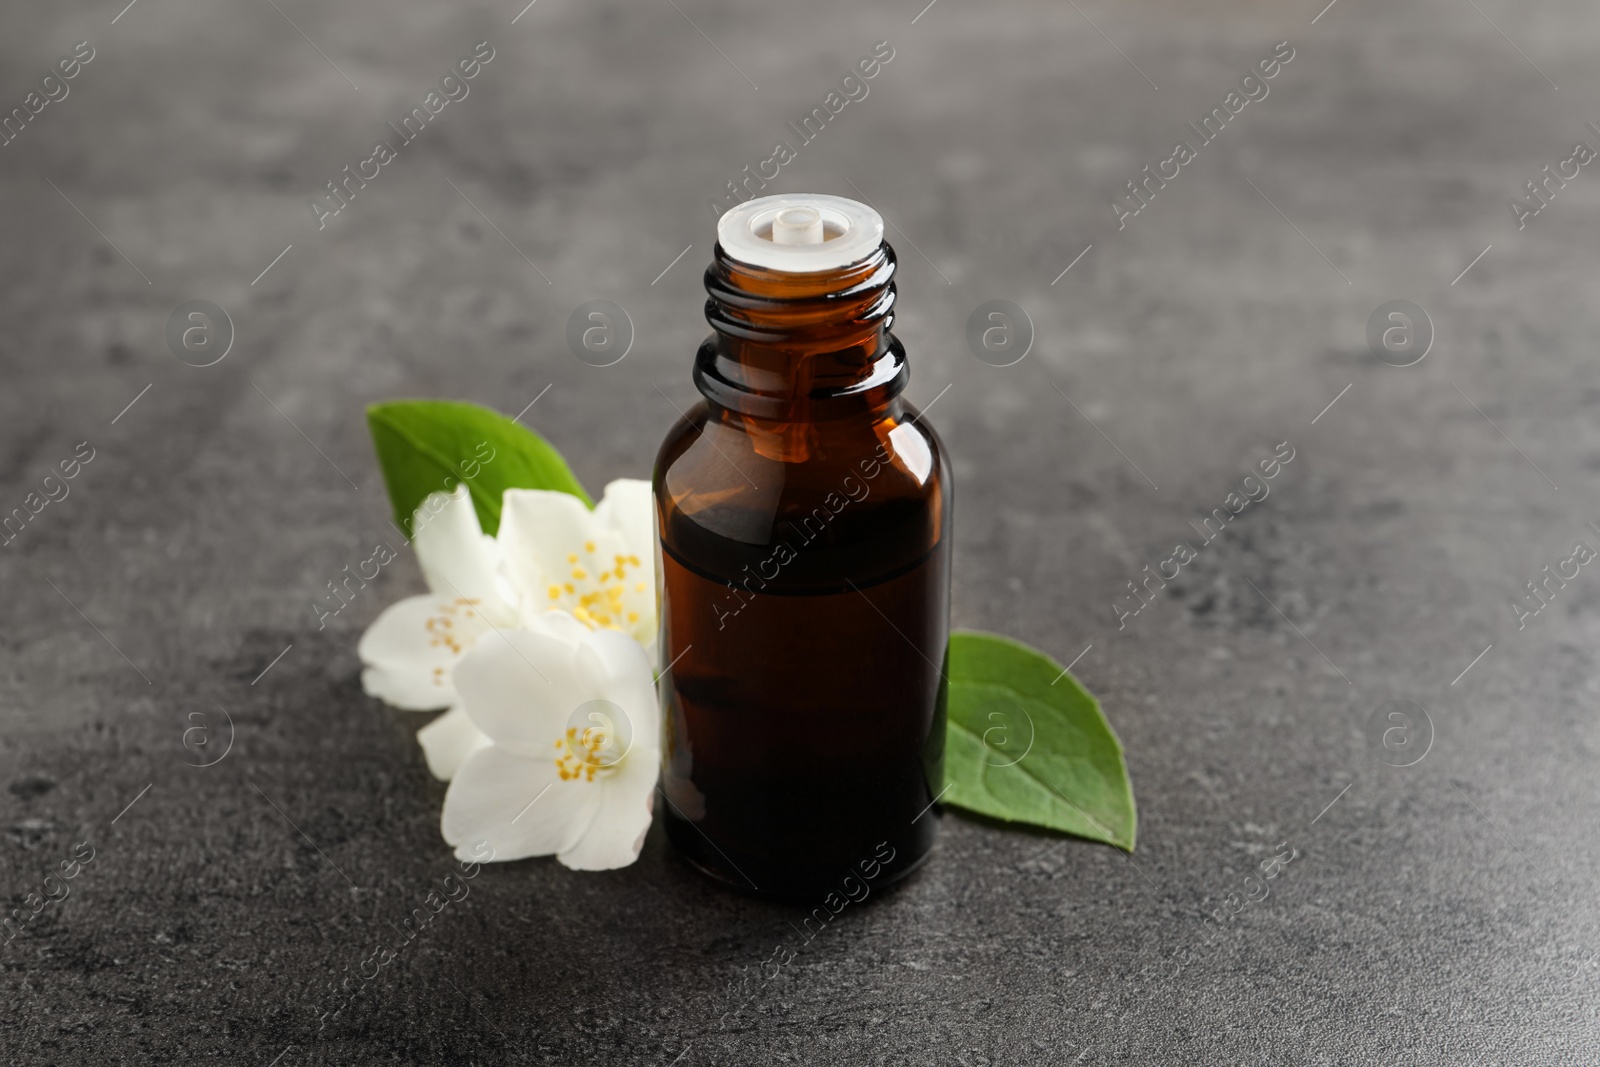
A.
pixel 804 516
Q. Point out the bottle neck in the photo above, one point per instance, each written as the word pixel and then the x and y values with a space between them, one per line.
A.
pixel 796 348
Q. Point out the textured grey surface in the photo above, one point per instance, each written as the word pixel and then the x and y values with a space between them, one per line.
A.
pixel 1442 913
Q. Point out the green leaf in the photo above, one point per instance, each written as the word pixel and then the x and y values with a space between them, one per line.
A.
pixel 427 446
pixel 1027 743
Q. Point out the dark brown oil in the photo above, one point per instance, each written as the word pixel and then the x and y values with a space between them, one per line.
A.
pixel 804 521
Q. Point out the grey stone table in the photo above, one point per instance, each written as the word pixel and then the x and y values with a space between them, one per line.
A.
pixel 1440 908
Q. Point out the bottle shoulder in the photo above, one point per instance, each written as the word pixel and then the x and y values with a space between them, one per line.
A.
pixel 713 457
pixel 870 491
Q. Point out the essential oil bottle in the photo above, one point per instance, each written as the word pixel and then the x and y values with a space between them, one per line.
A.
pixel 804 516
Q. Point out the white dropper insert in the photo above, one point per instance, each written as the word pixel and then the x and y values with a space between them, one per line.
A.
pixel 800 233
pixel 797 226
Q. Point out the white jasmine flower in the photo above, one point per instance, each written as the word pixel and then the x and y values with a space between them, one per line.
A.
pixel 408 651
pixel 567 747
pixel 553 553
pixel 598 565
